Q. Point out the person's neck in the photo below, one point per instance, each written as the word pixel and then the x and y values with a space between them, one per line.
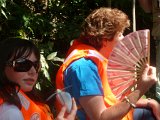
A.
pixel 105 51
pixel 106 48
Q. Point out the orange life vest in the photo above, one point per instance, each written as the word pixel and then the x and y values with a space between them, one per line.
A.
pixel 78 51
pixel 32 110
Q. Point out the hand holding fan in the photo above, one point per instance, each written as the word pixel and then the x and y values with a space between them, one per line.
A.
pixel 127 61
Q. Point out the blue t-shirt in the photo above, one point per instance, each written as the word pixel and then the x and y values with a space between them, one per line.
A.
pixel 82 75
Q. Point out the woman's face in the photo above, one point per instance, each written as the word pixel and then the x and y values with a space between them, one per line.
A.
pixel 26 80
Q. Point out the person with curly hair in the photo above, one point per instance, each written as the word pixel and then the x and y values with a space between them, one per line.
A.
pixel 85 66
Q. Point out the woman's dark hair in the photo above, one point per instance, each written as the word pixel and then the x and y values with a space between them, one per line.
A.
pixel 12 49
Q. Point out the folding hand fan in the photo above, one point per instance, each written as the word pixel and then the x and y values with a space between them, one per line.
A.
pixel 127 61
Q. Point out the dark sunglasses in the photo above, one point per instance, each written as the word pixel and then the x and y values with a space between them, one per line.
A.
pixel 24 65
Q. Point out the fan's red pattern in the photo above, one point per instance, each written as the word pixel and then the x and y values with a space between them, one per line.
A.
pixel 127 60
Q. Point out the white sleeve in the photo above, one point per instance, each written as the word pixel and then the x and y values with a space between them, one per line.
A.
pixel 10 112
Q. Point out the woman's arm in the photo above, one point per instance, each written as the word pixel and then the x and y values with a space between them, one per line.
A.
pixel 95 108
pixel 151 103
pixel 10 112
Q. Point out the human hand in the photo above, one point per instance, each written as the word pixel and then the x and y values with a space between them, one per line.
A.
pixel 65 116
pixel 150 103
pixel 155 107
pixel 148 78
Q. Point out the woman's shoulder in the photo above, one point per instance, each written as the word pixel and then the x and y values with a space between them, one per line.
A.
pixel 81 66
pixel 10 112
pixel 83 62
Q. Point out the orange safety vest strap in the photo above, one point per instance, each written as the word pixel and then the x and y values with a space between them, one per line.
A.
pixel 101 62
pixel 33 111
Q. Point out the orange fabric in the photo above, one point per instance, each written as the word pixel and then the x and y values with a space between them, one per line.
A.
pixel 32 110
pixel 1 101
pixel 81 50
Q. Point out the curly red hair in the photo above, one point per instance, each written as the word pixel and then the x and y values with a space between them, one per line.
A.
pixel 103 23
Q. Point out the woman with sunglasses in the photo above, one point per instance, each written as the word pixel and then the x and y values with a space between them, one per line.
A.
pixel 19 98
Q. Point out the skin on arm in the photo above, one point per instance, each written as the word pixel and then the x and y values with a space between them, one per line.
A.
pixel 70 116
pixel 98 111
pixel 151 103
pixel 95 108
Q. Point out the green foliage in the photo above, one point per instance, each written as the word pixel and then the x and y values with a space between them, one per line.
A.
pixel 52 24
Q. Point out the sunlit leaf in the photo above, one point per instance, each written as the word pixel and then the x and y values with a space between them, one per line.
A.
pixel 51 56
pixel 58 59
pixel 4 14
